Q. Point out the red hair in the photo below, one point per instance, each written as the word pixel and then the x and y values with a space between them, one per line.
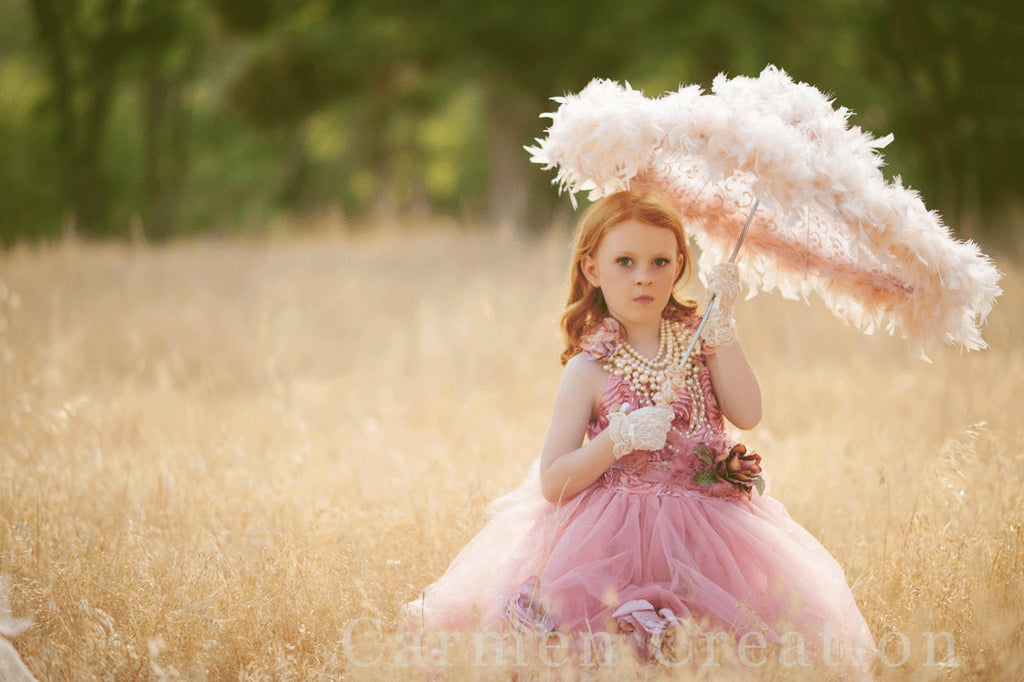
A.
pixel 586 304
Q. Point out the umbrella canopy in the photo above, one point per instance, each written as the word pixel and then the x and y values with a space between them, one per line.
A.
pixel 828 222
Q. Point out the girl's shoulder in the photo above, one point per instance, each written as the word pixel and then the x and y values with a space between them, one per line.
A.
pixel 584 369
pixel 585 379
pixel 583 364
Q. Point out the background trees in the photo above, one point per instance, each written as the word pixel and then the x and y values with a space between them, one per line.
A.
pixel 217 114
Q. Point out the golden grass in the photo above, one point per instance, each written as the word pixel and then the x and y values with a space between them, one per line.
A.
pixel 217 455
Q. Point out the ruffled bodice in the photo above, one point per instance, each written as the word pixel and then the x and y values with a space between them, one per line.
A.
pixel 670 470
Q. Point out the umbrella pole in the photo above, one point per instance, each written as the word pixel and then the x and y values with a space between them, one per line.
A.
pixel 711 303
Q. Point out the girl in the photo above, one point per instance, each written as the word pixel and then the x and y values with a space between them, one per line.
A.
pixel 641 516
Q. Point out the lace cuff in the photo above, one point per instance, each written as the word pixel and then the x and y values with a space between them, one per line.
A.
pixel 621 431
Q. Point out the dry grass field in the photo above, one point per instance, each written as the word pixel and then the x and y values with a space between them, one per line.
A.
pixel 215 456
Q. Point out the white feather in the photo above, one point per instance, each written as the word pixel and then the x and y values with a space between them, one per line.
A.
pixel 830 223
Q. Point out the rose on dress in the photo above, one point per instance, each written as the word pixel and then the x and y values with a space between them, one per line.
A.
pixel 737 466
pixel 740 468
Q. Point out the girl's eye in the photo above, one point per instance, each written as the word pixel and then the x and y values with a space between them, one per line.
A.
pixel 624 260
pixel 661 262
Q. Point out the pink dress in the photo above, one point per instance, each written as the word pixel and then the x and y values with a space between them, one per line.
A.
pixel 646 548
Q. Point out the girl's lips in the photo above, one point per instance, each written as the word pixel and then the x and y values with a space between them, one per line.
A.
pixel 644 299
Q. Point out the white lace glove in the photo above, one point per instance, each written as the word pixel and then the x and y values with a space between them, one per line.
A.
pixel 724 285
pixel 643 429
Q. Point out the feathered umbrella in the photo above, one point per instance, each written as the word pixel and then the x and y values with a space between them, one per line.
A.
pixel 828 222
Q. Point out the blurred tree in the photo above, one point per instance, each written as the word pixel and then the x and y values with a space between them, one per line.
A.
pixel 313 54
pixel 520 55
pixel 32 200
pixel 167 40
pixel 954 79
pixel 92 48
pixel 84 45
pixel 246 17
pixel 392 106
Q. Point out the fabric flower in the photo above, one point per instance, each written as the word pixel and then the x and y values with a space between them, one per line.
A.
pixel 602 339
pixel 739 467
pixel 653 630
pixel 675 382
pixel 525 612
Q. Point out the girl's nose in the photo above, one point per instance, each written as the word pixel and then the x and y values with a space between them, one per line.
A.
pixel 643 276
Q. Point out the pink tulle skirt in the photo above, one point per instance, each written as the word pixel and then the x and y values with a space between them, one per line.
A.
pixel 641 562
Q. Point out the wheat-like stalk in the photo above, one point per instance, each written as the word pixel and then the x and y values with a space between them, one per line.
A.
pixel 218 456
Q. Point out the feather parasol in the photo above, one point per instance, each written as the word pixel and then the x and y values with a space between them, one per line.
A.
pixel 829 223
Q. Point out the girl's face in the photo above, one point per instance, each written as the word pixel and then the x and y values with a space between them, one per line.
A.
pixel 635 266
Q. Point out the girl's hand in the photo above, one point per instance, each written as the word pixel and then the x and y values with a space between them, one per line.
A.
pixel 643 429
pixel 724 285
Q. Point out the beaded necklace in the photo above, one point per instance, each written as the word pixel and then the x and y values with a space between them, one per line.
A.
pixel 649 377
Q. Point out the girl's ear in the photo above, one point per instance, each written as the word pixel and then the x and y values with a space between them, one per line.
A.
pixel 589 269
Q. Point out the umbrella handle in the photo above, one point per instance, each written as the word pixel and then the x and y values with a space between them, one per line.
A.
pixel 711 303
pixel 714 298
pixel 743 234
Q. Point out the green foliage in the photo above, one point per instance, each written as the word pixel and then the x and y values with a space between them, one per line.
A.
pixel 245 17
pixel 706 478
pixel 209 113
pixel 705 454
pixel 31 208
pixel 954 68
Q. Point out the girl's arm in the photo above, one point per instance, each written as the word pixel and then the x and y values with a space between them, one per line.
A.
pixel 736 387
pixel 567 466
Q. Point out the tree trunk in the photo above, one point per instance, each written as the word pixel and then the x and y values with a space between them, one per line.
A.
pixel 80 133
pixel 52 36
pixel 154 111
pixel 509 166
pixel 177 173
pixel 291 180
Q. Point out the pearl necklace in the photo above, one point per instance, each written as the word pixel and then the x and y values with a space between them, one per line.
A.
pixel 698 409
pixel 649 377
pixel 644 375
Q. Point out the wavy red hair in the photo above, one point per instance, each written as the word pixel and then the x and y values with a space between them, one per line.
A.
pixel 586 304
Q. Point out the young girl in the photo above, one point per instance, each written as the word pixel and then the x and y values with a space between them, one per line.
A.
pixel 641 516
